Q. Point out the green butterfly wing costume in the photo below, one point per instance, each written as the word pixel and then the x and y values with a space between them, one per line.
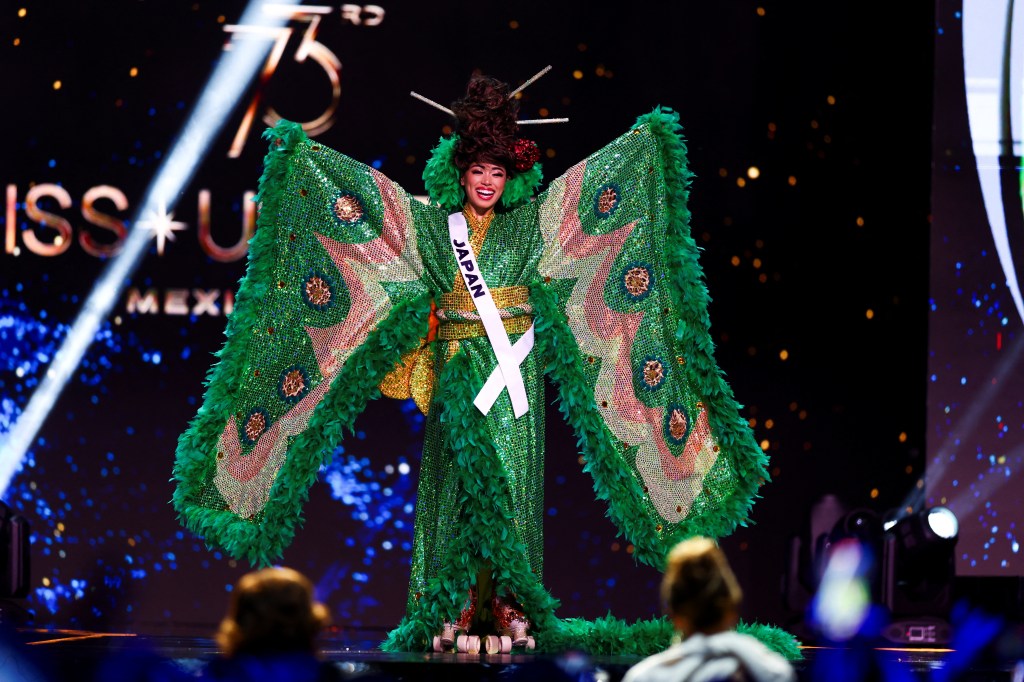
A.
pixel 342 273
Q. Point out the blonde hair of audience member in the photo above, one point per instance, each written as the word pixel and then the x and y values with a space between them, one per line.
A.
pixel 272 611
pixel 699 589
pixel 702 598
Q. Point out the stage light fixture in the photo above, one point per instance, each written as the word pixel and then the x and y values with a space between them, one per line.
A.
pixel 830 594
pixel 14 539
pixel 865 526
pixel 14 567
pixel 807 551
pixel 918 571
pixel 943 523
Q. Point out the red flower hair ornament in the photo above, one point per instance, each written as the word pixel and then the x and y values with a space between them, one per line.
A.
pixel 524 154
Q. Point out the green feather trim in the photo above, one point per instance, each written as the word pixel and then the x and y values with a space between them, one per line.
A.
pixel 521 187
pixel 613 636
pixel 263 542
pixel 776 639
pixel 609 635
pixel 441 176
pixel 604 636
pixel 442 179
pixel 690 299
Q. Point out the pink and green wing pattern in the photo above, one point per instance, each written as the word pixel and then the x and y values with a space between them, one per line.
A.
pixel 661 432
pixel 332 263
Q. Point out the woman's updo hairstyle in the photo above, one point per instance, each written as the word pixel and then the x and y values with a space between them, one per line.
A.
pixel 485 132
pixel 485 124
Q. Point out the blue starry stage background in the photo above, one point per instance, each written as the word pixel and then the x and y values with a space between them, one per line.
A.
pixel 809 128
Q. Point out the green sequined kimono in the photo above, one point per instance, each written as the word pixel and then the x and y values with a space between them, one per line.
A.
pixel 342 274
pixel 508 253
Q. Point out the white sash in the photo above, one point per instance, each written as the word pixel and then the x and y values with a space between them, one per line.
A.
pixel 509 357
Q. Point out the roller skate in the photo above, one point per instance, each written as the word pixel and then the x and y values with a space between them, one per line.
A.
pixel 513 627
pixel 455 636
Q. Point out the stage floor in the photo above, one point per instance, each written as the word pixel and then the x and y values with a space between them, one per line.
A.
pixel 47 655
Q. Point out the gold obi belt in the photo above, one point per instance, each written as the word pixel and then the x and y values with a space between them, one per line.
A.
pixel 413 376
pixel 460 320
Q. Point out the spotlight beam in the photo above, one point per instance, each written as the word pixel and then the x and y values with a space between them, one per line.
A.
pixel 977 404
pixel 225 86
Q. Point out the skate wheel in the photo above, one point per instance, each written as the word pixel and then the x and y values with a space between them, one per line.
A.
pixel 506 644
pixel 437 644
pixel 531 644
pixel 468 644
pixel 492 644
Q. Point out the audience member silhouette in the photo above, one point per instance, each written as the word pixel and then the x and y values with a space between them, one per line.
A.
pixel 702 599
pixel 271 631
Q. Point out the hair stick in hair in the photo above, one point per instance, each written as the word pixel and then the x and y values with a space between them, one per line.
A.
pixel 432 103
pixel 528 82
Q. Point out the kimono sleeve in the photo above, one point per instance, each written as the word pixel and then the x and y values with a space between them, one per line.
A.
pixel 629 345
pixel 332 296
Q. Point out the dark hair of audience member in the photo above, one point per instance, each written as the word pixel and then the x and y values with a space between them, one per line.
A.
pixel 272 611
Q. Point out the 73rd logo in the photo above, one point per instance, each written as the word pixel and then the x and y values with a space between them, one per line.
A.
pixel 308 48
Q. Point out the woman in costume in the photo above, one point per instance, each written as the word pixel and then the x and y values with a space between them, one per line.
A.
pixel 594 283
pixel 486 155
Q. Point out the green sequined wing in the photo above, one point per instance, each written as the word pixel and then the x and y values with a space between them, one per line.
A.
pixel 629 345
pixel 331 297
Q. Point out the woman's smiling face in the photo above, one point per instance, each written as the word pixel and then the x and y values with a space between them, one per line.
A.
pixel 484 184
